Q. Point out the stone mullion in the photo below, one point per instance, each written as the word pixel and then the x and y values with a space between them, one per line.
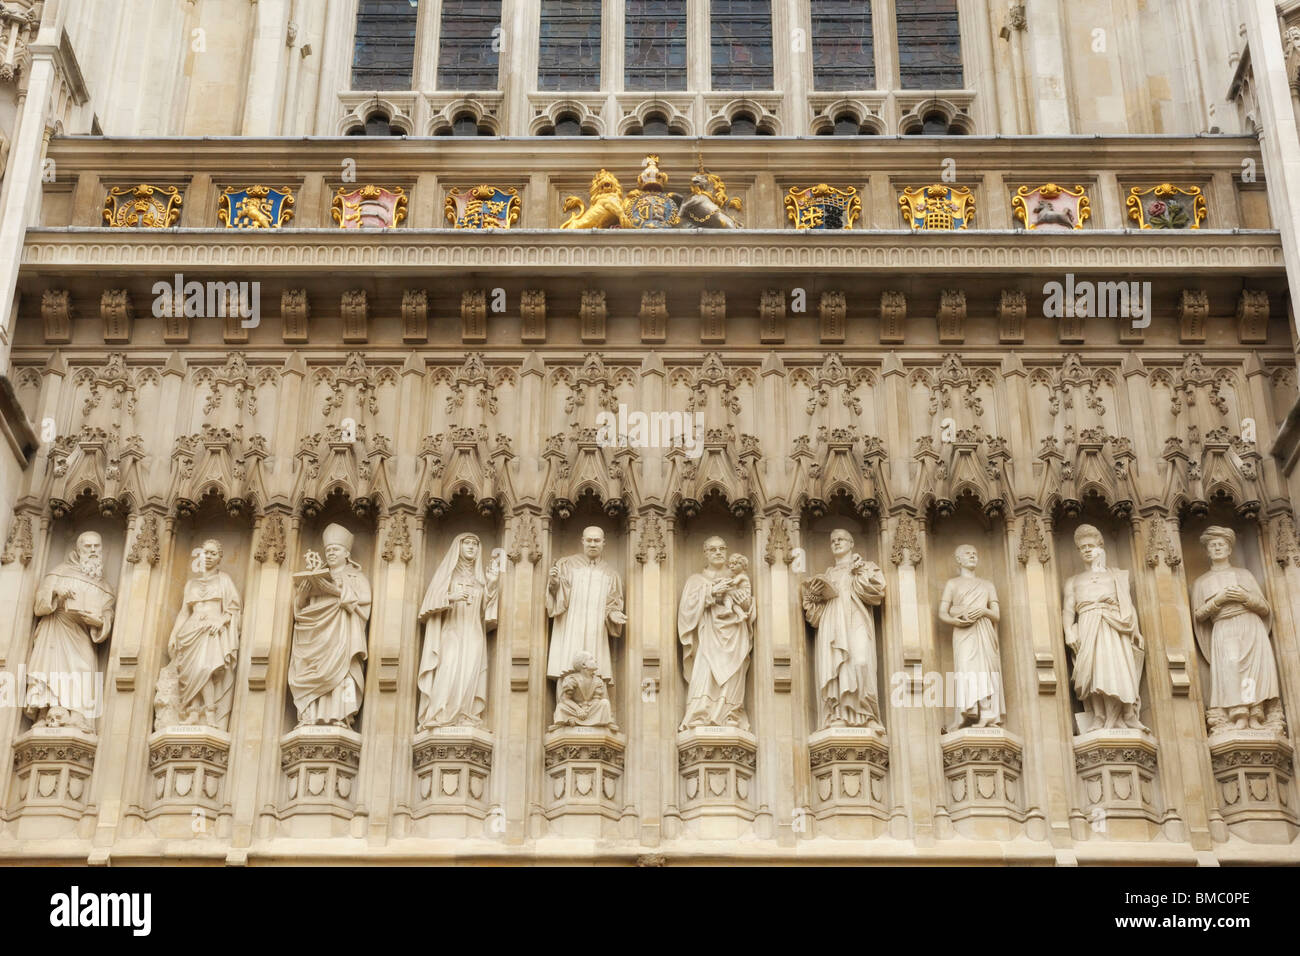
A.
pixel 520 720
pixel 1041 671
pixel 782 733
pixel 136 614
pixel 255 756
pixel 1281 584
pixel 670 706
pixel 1177 719
pixel 19 583
pixel 908 645
pixel 405 646
pixel 650 779
pixel 380 719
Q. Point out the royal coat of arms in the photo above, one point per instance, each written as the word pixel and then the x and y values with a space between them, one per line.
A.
pixel 482 207
pixel 1166 206
pixel 823 207
pixel 254 207
pixel 142 207
pixel 937 207
pixel 368 207
pixel 650 205
pixel 1051 208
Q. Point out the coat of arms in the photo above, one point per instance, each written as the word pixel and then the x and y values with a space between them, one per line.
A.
pixel 1051 208
pixel 823 207
pixel 142 206
pixel 927 208
pixel 482 207
pixel 368 207
pixel 254 207
pixel 650 205
pixel 1166 206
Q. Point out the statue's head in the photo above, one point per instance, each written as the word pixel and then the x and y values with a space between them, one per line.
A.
pixel 338 545
pixel 469 547
pixel 1089 542
pixel 90 553
pixel 605 183
pixel 841 542
pixel 593 542
pixel 584 661
pixel 737 563
pixel 211 554
pixel 1219 542
pixel 715 551
pixel 966 556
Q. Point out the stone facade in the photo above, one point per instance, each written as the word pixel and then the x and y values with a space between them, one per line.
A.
pixel 521 381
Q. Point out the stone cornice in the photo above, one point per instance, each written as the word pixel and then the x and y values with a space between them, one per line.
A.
pixel 71 250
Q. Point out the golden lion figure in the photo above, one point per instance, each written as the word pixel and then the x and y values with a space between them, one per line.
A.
pixel 605 210
pixel 257 211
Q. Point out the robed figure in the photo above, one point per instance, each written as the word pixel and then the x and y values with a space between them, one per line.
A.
pixel 584 599
pixel 1101 629
pixel 838 604
pixel 331 610
pixel 715 623
pixel 581 697
pixel 204 643
pixel 970 605
pixel 459 608
pixel 74 612
pixel 1231 616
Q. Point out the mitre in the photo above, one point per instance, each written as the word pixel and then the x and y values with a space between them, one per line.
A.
pixel 337 534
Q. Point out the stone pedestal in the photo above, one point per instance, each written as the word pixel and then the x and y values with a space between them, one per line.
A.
pixel 717 766
pixel 188 767
pixel 584 773
pixel 319 766
pixel 1253 769
pixel 50 782
pixel 451 781
pixel 1117 770
pixel 982 767
pixel 850 770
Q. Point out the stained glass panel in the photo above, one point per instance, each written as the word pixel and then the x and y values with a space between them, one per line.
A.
pixel 741 37
pixel 469 44
pixel 929 45
pixel 654 45
pixel 843 55
pixel 383 53
pixel 570 45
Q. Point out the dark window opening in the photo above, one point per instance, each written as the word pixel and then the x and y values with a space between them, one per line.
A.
pixel 741 40
pixel 469 44
pixel 383 54
pixel 842 47
pixel 654 45
pixel 569 54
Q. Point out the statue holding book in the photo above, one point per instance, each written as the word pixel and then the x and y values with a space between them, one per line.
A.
pixel 838 604
pixel 331 611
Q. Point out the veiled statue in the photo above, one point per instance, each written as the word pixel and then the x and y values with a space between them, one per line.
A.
pixel 584 600
pixel 838 604
pixel 970 605
pixel 203 646
pixel 331 612
pixel 74 612
pixel 715 622
pixel 1231 616
pixel 1101 630
pixel 459 608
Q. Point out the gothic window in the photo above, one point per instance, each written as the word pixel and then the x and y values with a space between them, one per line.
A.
pixel 741 37
pixel 843 53
pixel 566 124
pixel 743 124
pixel 570 45
pixel 377 124
pixel 654 45
pixel 469 44
pixel 383 54
pixel 929 44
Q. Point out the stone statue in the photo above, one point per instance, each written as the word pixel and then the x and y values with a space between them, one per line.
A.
pixel 1231 617
pixel 459 607
pixel 838 604
pixel 715 623
pixel 74 611
pixel 584 599
pixel 581 697
pixel 1101 629
pixel 204 644
pixel 970 605
pixel 331 610
pixel 706 205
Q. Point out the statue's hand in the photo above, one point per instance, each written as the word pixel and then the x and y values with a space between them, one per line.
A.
pixel 618 617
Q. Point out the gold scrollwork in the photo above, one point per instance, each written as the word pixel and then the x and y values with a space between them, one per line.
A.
pixel 937 207
pixel 482 207
pixel 142 206
pixel 1052 192
pixel 1167 208
pixel 823 207
pixel 254 207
